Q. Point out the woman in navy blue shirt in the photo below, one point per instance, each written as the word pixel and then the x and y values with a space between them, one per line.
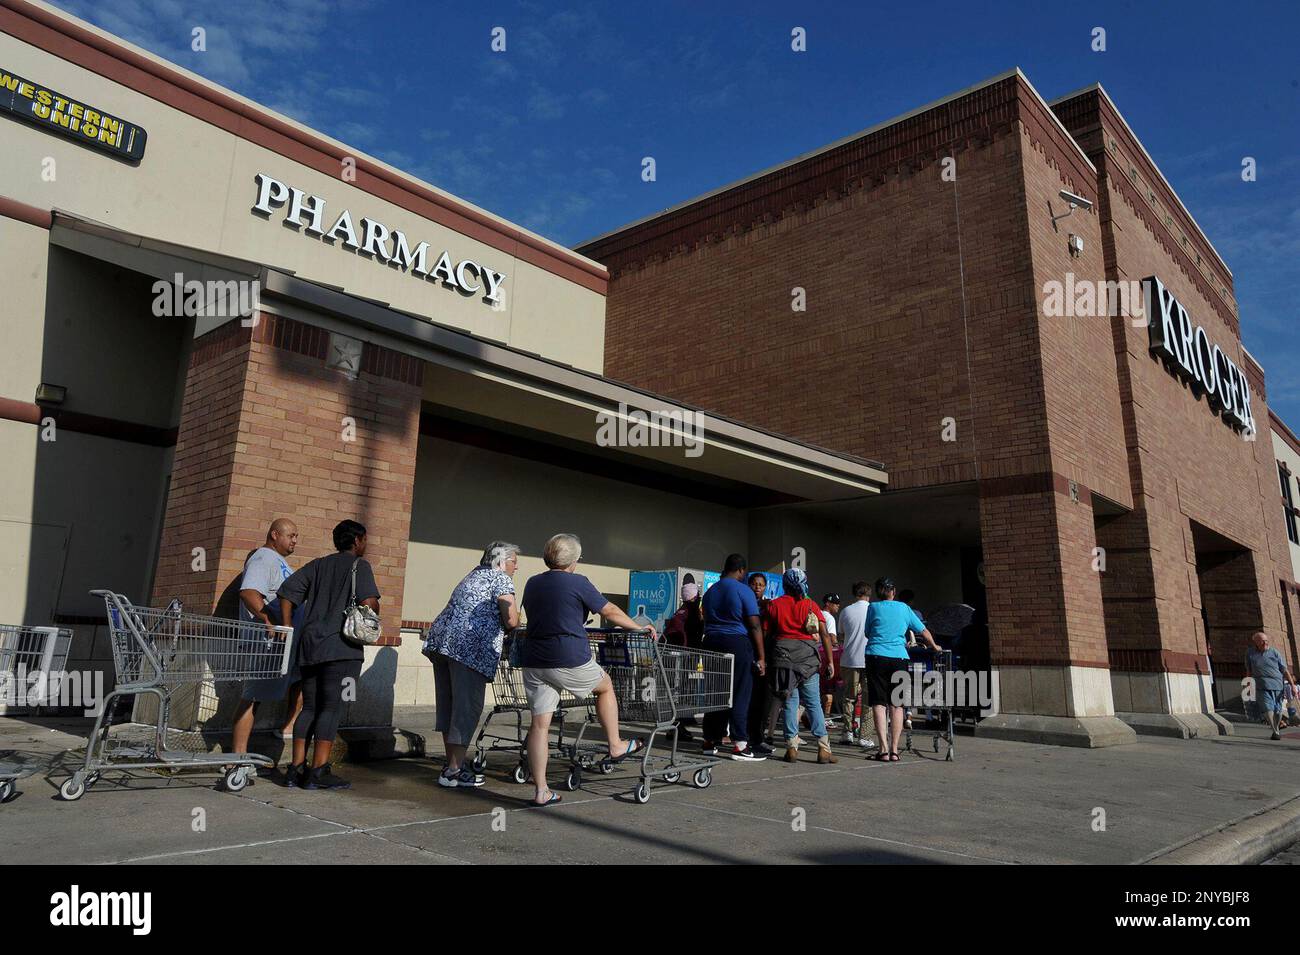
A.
pixel 557 654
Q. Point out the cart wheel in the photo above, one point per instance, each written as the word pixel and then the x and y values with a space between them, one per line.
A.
pixel 236 779
pixel 703 778
pixel 947 757
pixel 480 763
pixel 605 766
pixel 521 774
pixel 642 792
pixel 574 780
pixel 6 790
pixel 672 777
pixel 73 788
pixel 936 744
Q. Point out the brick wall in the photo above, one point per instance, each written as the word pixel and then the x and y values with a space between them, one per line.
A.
pixel 924 302
pixel 923 305
pixel 261 436
pixel 1185 464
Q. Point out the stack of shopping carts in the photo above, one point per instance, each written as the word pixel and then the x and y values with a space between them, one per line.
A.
pixel 510 707
pixel 32 664
pixel 656 686
pixel 160 652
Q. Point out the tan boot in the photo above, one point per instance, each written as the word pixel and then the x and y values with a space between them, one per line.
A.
pixel 792 754
pixel 824 754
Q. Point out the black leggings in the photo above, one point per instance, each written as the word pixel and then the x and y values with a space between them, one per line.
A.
pixel 322 698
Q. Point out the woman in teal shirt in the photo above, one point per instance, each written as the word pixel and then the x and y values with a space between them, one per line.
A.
pixel 887 626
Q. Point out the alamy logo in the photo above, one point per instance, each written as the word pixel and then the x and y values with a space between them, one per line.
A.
pixel 665 428
pixel 233 298
pixel 83 689
pixel 77 908
pixel 928 689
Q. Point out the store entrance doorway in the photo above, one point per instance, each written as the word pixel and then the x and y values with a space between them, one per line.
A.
pixel 1230 608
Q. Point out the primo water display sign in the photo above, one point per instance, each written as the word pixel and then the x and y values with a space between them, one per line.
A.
pixel 652 596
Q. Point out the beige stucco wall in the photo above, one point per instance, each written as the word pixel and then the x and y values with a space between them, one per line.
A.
pixel 84 511
pixel 24 251
pixel 465 497
pixel 195 186
pixel 79 511
pixel 1283 452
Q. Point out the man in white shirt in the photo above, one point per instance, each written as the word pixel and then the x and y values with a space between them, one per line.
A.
pixel 264 572
pixel 853 661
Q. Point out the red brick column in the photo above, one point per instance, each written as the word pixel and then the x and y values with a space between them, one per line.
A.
pixel 262 436
pixel 1047 638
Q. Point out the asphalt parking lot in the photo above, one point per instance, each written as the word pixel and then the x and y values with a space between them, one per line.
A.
pixel 997 802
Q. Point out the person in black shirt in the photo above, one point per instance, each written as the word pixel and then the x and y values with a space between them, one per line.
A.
pixel 323 588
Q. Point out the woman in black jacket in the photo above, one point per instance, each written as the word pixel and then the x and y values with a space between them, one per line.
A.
pixel 330 663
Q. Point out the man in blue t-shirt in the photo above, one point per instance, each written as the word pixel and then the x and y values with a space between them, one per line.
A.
pixel 557 655
pixel 1267 670
pixel 731 625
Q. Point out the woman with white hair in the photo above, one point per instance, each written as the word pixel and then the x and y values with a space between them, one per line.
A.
pixel 557 655
pixel 464 646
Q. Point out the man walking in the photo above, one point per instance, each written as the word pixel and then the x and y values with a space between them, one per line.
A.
pixel 853 661
pixel 264 572
pixel 1268 671
pixel 731 625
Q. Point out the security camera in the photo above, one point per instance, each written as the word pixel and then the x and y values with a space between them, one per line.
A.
pixel 1076 202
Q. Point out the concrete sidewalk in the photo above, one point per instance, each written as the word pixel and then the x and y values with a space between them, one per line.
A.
pixel 998 802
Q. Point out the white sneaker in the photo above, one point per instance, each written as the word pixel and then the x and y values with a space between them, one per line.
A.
pixel 848 739
pixel 867 743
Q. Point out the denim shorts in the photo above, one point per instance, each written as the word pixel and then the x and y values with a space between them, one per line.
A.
pixel 1270 701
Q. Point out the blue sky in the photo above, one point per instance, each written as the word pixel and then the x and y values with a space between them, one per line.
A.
pixel 551 133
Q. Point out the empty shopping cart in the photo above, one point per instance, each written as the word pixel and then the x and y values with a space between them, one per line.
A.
pixel 161 651
pixel 32 669
pixel 656 685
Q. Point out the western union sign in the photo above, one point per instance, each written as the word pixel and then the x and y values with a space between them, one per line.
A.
pixel 68 117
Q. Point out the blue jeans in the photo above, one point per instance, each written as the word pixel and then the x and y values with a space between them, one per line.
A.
pixel 811 697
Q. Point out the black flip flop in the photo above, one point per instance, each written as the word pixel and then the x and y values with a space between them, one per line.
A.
pixel 881 757
pixel 893 758
pixel 555 797
pixel 633 747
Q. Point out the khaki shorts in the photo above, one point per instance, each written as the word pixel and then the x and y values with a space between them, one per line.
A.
pixel 543 685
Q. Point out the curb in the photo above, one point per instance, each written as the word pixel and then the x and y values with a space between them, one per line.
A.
pixel 1247 841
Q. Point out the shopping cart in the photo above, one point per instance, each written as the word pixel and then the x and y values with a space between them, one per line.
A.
pixel 656 684
pixel 160 651
pixel 511 702
pixel 932 689
pixel 32 665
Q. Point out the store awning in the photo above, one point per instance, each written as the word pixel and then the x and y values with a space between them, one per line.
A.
pixel 480 383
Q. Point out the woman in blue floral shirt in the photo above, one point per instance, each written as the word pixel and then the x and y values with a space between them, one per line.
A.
pixel 464 646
